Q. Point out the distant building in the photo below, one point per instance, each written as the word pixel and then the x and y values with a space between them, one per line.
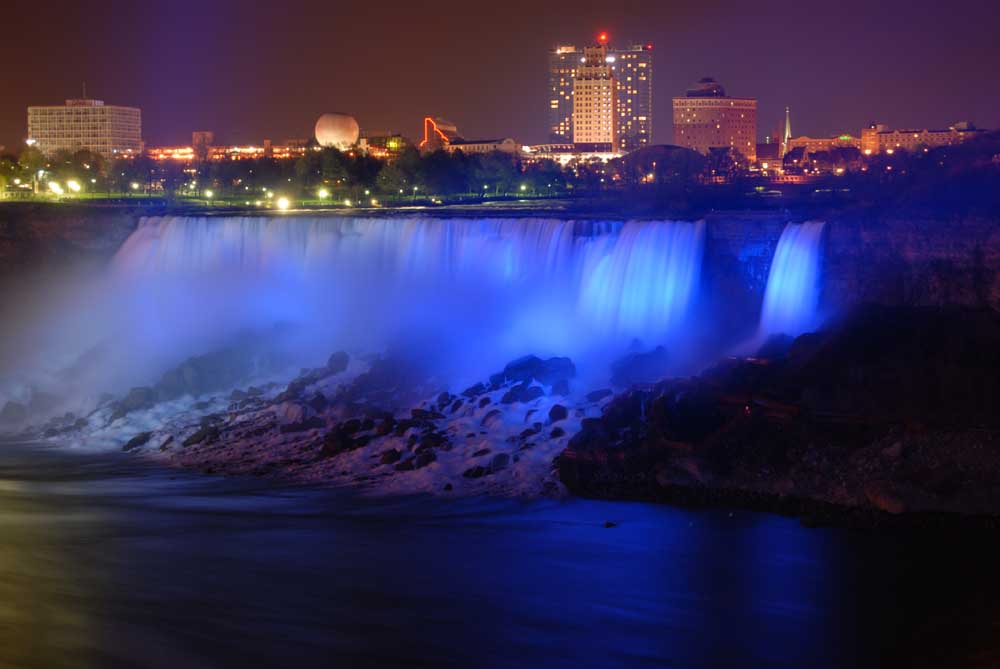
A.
pixel 706 118
pixel 86 124
pixel 877 138
pixel 202 142
pixel 631 67
pixel 769 155
pixel 503 145
pixel 440 134
pixel 595 100
pixel 820 144
pixel 383 144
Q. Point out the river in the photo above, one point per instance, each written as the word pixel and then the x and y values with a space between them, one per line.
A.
pixel 107 560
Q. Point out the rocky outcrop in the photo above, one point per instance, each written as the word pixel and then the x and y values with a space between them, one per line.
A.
pixel 893 410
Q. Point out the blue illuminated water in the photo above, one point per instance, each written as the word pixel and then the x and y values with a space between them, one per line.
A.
pixel 485 290
pixel 791 299
pixel 107 561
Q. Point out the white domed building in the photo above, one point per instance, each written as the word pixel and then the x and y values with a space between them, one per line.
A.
pixel 339 131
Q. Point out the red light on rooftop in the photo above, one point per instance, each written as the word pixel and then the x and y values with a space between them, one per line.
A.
pixel 649 47
pixel 603 38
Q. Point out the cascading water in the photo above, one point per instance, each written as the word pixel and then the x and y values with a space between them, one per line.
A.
pixel 467 295
pixel 791 299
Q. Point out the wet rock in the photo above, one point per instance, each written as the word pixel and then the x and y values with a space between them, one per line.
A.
pixel 557 413
pixel 457 405
pixel 385 426
pixel 405 465
pixel 205 434
pixel 474 391
pixel 492 418
pixel 481 452
pixel 137 399
pixel 351 426
pixel 318 403
pixel 475 472
pixel 484 402
pixel 167 442
pixel 337 362
pixel 881 498
pixel 290 412
pixel 238 395
pixel 893 452
pixel 523 392
pixel 336 441
pixel 546 372
pixel 557 432
pixel 498 462
pixel 254 391
pixel 138 440
pixel 424 414
pixel 390 456
pixel 598 395
pixel 423 459
pixel 448 487
pixel 311 423
pixel 639 368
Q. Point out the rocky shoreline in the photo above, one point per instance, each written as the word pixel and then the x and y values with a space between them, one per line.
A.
pixel 888 418
pixel 891 417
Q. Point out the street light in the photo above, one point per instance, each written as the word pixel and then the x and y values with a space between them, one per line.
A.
pixel 283 203
pixel 209 194
pixel 323 193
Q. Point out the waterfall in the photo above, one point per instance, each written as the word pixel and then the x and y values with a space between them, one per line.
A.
pixel 791 298
pixel 482 290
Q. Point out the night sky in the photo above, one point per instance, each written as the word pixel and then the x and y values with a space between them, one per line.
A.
pixel 253 72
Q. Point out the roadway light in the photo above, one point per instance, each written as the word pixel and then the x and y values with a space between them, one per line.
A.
pixel 524 187
pixel 323 193
pixel 347 203
pixel 283 203
pixel 55 188
pixel 209 194
pixel 73 186
pixel 135 186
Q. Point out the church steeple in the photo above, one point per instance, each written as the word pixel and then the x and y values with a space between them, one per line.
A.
pixel 787 135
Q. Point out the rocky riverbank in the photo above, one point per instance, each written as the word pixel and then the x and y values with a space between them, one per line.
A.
pixel 891 413
pixel 891 416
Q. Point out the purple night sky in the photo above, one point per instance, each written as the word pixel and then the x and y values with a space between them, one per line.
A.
pixel 251 72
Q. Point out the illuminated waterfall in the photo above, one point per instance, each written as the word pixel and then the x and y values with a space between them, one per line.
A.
pixel 793 284
pixel 483 288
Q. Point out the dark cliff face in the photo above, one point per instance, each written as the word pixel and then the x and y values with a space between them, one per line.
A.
pixel 868 258
pixel 913 262
pixel 36 237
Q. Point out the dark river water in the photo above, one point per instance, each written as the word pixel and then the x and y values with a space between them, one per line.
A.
pixel 106 561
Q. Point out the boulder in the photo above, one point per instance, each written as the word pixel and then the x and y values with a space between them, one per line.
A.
pixel 138 440
pixel 557 413
pixel 498 462
pixel 634 368
pixel 423 459
pixel 547 372
pixel 390 456
pixel 337 362
pixel 881 498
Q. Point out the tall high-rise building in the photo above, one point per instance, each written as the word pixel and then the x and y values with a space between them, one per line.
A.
pixel 595 100
pixel 706 118
pixel 631 68
pixel 86 124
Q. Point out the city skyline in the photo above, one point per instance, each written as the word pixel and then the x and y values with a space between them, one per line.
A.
pixel 248 74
